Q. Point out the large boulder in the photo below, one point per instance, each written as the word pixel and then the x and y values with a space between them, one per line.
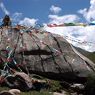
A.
pixel 43 53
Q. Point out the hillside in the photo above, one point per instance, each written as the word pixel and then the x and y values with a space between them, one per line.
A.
pixel 90 55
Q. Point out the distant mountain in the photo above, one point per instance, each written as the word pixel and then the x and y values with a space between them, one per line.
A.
pixel 90 55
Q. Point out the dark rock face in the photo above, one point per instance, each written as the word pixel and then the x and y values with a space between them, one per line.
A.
pixel 6 21
pixel 45 54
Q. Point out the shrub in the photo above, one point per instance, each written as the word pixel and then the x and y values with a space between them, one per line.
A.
pixel 55 86
pixel 90 85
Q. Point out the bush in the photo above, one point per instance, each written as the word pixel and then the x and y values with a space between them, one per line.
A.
pixel 55 86
pixel 90 85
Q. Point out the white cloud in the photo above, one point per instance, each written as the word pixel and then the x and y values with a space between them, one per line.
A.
pixel 1 20
pixel 55 9
pixel 28 21
pixel 16 17
pixel 63 19
pixel 89 14
pixel 4 9
pixel 77 35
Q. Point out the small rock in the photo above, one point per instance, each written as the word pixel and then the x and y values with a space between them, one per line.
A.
pixel 6 93
pixel 63 93
pixel 10 92
pixel 73 93
pixel 80 86
pixel 15 91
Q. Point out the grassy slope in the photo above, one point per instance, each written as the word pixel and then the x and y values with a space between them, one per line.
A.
pixel 90 55
pixel 30 92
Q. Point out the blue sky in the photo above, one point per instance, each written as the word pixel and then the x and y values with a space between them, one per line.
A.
pixel 40 9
